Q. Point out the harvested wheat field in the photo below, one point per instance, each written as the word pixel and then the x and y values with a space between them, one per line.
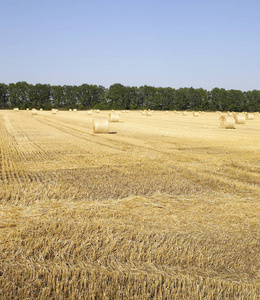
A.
pixel 162 207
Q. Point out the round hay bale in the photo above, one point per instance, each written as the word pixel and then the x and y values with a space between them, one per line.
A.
pixel 195 114
pixel 70 109
pixel 166 112
pixel 143 113
pixel 123 111
pixel 89 112
pixel 227 122
pixel 100 125
pixel 149 113
pixel 54 111
pixel 34 111
pixel 184 113
pixel 113 117
pixel 249 116
pixel 27 109
pixel 240 118
pixel 41 109
pixel 75 110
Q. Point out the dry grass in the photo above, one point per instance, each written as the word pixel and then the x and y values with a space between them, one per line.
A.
pixel 160 210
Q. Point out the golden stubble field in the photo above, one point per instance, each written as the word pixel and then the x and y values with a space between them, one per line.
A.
pixel 164 207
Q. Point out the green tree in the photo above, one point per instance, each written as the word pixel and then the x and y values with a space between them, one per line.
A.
pixel 4 96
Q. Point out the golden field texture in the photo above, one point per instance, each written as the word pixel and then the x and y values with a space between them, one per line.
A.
pixel 164 207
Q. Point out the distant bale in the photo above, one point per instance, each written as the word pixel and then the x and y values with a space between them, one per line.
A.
pixel 96 111
pixel 89 112
pixel 127 111
pixel 16 108
pixel 249 116
pixel 34 111
pixel 75 110
pixel 113 117
pixel 123 111
pixel 184 113
pixel 195 114
pixel 100 125
pixel 149 113
pixel 54 111
pixel 27 109
pixel 166 112
pixel 240 118
pixel 70 109
pixel 143 112
pixel 227 122
pixel 41 109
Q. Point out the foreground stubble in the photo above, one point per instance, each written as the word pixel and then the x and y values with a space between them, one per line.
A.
pixel 159 210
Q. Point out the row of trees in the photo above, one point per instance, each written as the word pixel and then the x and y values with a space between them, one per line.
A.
pixel 118 96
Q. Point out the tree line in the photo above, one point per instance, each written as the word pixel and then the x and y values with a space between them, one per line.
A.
pixel 118 96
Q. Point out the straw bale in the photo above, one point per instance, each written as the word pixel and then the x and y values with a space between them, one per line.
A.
pixel 166 112
pixel 89 112
pixel 240 118
pixel 16 108
pixel 34 111
pixel 195 114
pixel 114 117
pixel 184 113
pixel 41 109
pixel 100 125
pixel 227 122
pixel 54 111
pixel 70 109
pixel 143 113
pixel 249 116
pixel 149 113
pixel 27 109
pixel 74 109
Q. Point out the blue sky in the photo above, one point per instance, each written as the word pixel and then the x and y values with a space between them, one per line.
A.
pixel 163 43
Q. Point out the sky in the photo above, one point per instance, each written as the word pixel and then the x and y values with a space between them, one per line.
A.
pixel 161 43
